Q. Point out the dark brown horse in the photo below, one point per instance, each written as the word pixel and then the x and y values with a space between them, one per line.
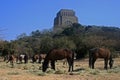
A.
pixel 58 54
pixel 100 53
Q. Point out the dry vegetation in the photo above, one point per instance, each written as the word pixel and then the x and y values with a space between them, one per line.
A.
pixel 81 71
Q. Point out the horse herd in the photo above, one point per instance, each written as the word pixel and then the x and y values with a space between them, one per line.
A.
pixel 58 54
pixel 23 58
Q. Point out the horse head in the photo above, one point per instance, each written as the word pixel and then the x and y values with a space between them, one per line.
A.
pixel 111 63
pixel 44 66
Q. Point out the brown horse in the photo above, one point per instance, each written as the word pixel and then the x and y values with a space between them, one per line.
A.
pixel 100 53
pixel 58 54
pixel 11 59
pixel 38 57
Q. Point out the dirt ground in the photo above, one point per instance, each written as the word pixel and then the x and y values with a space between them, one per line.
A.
pixel 32 71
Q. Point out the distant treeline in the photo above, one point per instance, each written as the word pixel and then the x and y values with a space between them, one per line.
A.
pixel 78 37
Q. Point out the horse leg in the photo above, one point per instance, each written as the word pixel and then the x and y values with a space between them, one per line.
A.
pixel 25 61
pixel 90 60
pixel 20 60
pixel 40 60
pixel 5 58
pixel 111 63
pixel 106 63
pixel 12 64
pixel 70 63
pixel 16 60
pixel 53 64
pixel 93 62
pixel 7 61
pixel 33 59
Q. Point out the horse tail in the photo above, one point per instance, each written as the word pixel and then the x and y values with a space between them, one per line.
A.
pixel 73 55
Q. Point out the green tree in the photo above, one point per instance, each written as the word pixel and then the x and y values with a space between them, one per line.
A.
pixel 64 42
pixel 46 44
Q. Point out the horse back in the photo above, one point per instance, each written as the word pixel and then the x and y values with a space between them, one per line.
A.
pixel 103 53
pixel 58 54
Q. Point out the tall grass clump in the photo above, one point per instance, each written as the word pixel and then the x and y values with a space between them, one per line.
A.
pixel 40 73
pixel 50 71
pixel 94 72
pixel 115 69
pixel 59 71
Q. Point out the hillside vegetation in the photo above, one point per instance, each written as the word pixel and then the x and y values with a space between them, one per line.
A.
pixel 78 37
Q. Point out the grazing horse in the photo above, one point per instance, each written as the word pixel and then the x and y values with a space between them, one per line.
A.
pixel 11 59
pixel 100 53
pixel 6 57
pixel 38 57
pixel 58 54
pixel 22 57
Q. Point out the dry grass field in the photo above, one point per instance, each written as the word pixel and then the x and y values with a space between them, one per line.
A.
pixel 81 71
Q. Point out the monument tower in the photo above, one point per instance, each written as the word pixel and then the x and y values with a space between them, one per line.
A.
pixel 64 18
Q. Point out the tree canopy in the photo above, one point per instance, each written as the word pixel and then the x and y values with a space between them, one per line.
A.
pixel 79 38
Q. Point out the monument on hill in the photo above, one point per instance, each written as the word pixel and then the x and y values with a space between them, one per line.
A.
pixel 64 18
